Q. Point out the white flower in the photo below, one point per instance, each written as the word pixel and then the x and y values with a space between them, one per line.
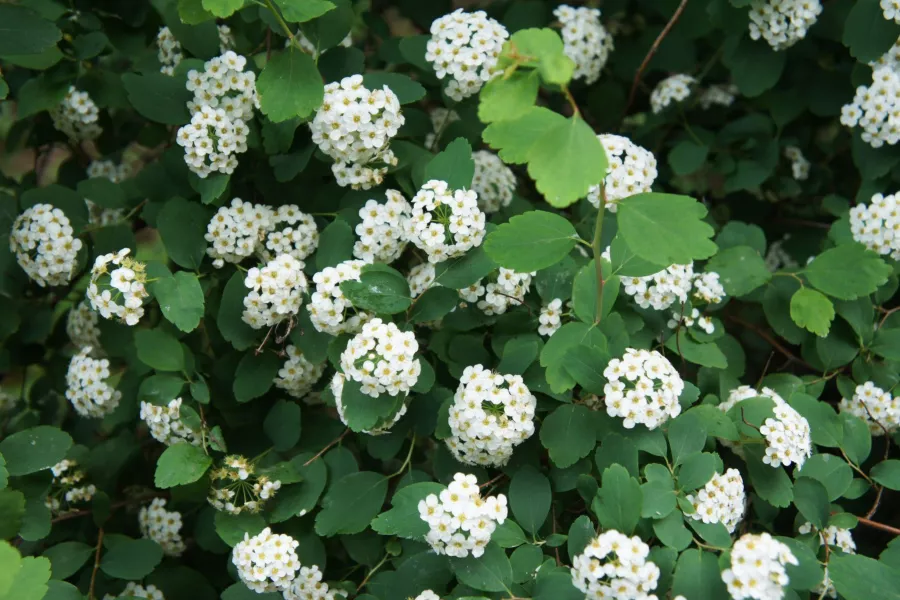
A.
pixel 67 488
pixel 585 40
pixel 427 595
pixel 44 244
pixel 642 388
pixel 721 500
pixel 674 88
pixel 88 388
pixel 757 568
pixel 276 292
pixel 631 170
pixel 77 116
pixel 166 425
pixel 445 223
pixel 329 310
pixel 779 258
pixel 298 375
pixel 718 95
pixel 169 53
pixel 420 278
pixel 876 407
pixel 877 225
pixel 504 289
pixel 836 538
pixel 491 414
pixel 707 287
pixel 235 488
pixel 134 590
pixel 465 46
pixel 494 182
pixel 308 585
pixel 235 231
pixel 782 23
pixel 614 565
pixel 891 10
pixel 550 317
pixel 291 231
pixel 799 164
pixel 703 322
pixel 381 358
pixel 162 526
pixel 267 562
pixel 381 232
pixel 107 169
pixel 382 427
pixel 81 326
pixel 661 290
pixel 226 38
pixel 876 109
pixel 118 294
pixel 460 521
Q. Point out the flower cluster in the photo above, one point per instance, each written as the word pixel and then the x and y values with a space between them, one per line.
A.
pixel 298 375
pixel 292 232
pixel 779 258
pixel 460 521
pixel 642 388
pixel 235 231
pixel 108 169
pixel 381 358
pixel 427 595
pixel 787 433
pixel 381 427
pixel 718 95
pixel 550 317
pixel 631 170
pixel 224 85
pixel 135 590
pixel 799 164
pixel 66 487
pixel 661 289
pixel 491 414
pixel 166 424
pixel 226 38
pixel 440 119
pixel 45 247
pixel 877 225
pixel 236 488
pixel 118 293
pixel 782 23
pixel 354 126
pixel 585 40
pixel 420 278
pixel 81 326
pixel 87 387
pixel 169 51
pixel 381 232
pixel 721 500
pixel 876 407
pixel 707 287
pixel 835 537
pixel 504 288
pixel 703 322
pixel 266 562
pixel 876 109
pixel 465 46
pixel 494 182
pixel 276 292
pixel 329 310
pixel 757 568
pixel 445 223
pixel 891 10
pixel 162 526
pixel 674 88
pixel 614 565
pixel 77 116
pixel 308 585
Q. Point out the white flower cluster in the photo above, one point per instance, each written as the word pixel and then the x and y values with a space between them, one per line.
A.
pixel 308 585
pixel 223 85
pixel 329 310
pixel 298 375
pixel 445 223
pixel 799 164
pixel 877 225
pixel 614 565
pixel 779 258
pixel 703 322
pixel 276 292
pixel 135 590
pixel 77 116
pixel 266 562
pixel 707 287
pixel 440 119
pixel 382 427
pixel 118 293
pixel 354 126
pixel 662 289
pixel 494 182
pixel 718 95
pixel 293 232
pixel 235 487
pixel 108 169
pixel 420 278
pixel 491 414
pixel 876 407
pixel 81 326
pixel 460 521
pixel 787 434
pixel 87 387
pixel 66 487
pixel 585 40
pixel 550 317
pixel 757 568
pixel 631 170
pixel 642 388
pixel 45 247
pixel 381 358
pixel 162 526
pixel 166 425
pixel 674 88
pixel 427 595
pixel 465 46
pixel 381 232
pixel 876 109
pixel 891 10
pixel 782 23
pixel 226 38
pixel 169 51
pixel 890 59
pixel 721 500
pixel 504 288
pixel 235 231
pixel 835 537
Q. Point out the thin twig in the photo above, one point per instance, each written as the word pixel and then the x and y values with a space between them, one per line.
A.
pixel 886 315
pixel 326 448
pixel 372 572
pixel 96 565
pixel 877 525
pixel 492 481
pixel 775 343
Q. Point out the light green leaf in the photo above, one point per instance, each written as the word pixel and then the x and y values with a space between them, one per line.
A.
pixel 665 229
pixel 30 581
pixel 193 13
pixel 530 498
pixel 23 31
pixel 565 161
pixel 812 311
pixel 180 299
pixel 290 86
pixel 568 434
pixel 515 138
pixel 34 449
pixel 504 98
pixel 222 8
pixel 157 349
pixel 131 559
pixel 300 11
pixel 351 503
pixel 543 49
pixel 531 241
pixel 454 165
pixel 741 270
pixel 403 519
pixel 181 464
pixel 847 271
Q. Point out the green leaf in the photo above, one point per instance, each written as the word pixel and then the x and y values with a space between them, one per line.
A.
pixel 741 270
pixel 887 344
pixel 672 532
pixel 812 311
pixel 300 11
pixel 433 304
pixel 811 499
pixel 584 292
pixel 34 449
pixel 30 581
pixel 771 484
pixel 531 241
pixel 180 299
pixel 618 503
pixel 335 244
pixel 659 499
pixel 755 66
pixel 465 270
pixel 290 86
pixel 454 165
pixel 831 471
pixel 566 161
pixel 158 97
pixel 60 590
pixel 665 229
pixel 403 518
pixel 556 586
pixel 687 156
pixel 331 28
pixel 706 355
pixel 231 528
pixel 131 559
pixel 192 12
pixel 544 50
pixel 282 425
pixel 847 271
pixel 181 464
pixel 514 139
pixel 157 349
pixel 687 436
pixel 406 89
pixel 231 308
pixel 351 503
pixel 859 577
pixel 887 473
pixel 67 558
pixel 568 434
pixel 102 192
pixel 510 97
pixel 255 375
pixel 23 31
pixel 222 8
pixel 867 33
pixel 489 573
pixel 210 187
pixel 697 576
pixel 530 498
pixel 12 511
pixel 585 363
pixel 362 412
pixel 697 469
pixel 380 289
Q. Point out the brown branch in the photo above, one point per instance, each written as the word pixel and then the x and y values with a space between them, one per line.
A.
pixel 886 315
pixel 326 448
pixel 875 504
pixel 775 343
pixel 96 565
pixel 877 525
pixel 494 480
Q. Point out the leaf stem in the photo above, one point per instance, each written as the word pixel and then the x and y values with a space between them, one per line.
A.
pixel 598 251
pixel 571 100
pixel 284 25
pixel 412 446
pixel 96 565
pixel 372 572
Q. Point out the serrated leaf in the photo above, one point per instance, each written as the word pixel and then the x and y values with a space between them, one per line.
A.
pixel 351 503
pixel 812 311
pixel 290 86
pixel 300 11
pixel 181 299
pixel 222 8
pixel 568 434
pixel 566 161
pixel 531 241
pixel 665 229
pixel 454 165
pixel 847 271
pixel 514 139
pixel 181 464
pixel 504 98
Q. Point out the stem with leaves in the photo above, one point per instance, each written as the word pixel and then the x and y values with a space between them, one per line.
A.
pixel 598 251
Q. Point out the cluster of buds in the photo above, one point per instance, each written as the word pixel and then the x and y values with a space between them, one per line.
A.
pixel 236 488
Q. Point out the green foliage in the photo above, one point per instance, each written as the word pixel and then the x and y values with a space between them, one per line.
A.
pixel 289 86
pixel 181 464
pixel 531 241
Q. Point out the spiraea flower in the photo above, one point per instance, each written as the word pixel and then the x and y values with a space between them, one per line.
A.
pixel 876 407
pixel 718 95
pixel 420 278
pixel 235 487
pixel 661 290
pixel 308 585
pixel 891 10
pixel 799 164
pixel 777 257
pixel 381 358
pixel 460 521
pixel 707 288
pixel 354 126
pixel 837 539
pixel 276 292
pixel 631 170
pixel 118 293
pixel 166 424
pixel 81 326
pixel 88 387
pixel 169 51
pixel 77 116
pixel 491 414
pixel 671 90
pixel 498 292
pixel 465 46
pixel 689 320
pixel 494 182
pixel 43 241
pixel 226 38
pixel 67 488
pixel 876 109
pixel 162 526
pixel 381 232
pixel 550 317
pixel 782 23
pixel 329 310
pixel 292 232
pixel 235 231
pixel 758 568
pixel 642 388
pixel 876 225
pixel 721 500
pixel 108 169
pixel 224 85
pixel 614 565
pixel 134 590
pixel 267 562
pixel 382 426
pixel 445 223
pixel 585 40
pixel 298 375
pixel 427 595
pixel 787 434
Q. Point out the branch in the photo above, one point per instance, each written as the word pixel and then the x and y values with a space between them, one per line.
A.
pixel 326 448
pixel 96 565
pixel 877 525
pixel 775 343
